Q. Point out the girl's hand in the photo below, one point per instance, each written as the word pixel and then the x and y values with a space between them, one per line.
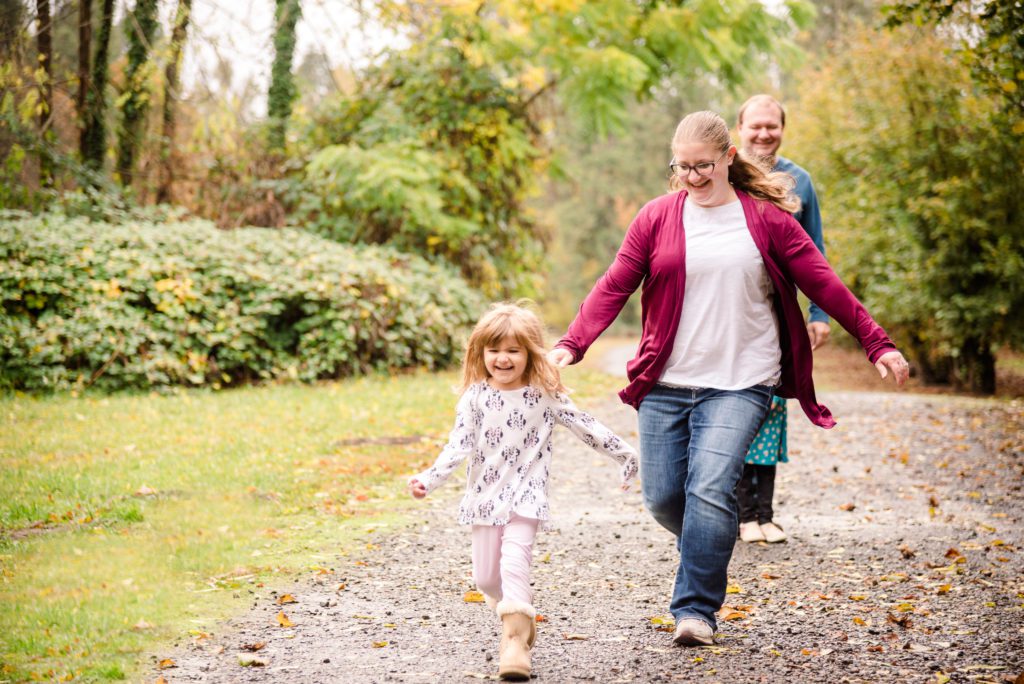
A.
pixel 895 363
pixel 417 489
pixel 560 358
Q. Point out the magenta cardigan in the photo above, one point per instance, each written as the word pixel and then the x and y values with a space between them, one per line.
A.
pixel 654 253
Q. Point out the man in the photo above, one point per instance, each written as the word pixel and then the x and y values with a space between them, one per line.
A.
pixel 761 122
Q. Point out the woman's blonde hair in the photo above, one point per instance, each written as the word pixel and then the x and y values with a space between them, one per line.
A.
pixel 504 319
pixel 746 174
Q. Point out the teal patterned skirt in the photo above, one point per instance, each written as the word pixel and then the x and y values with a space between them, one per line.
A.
pixel 769 445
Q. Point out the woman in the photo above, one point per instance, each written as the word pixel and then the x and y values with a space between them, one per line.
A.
pixel 725 245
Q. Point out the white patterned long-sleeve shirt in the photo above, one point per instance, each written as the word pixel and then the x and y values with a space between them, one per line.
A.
pixel 506 437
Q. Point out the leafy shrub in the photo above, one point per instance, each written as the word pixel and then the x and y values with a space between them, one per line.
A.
pixel 145 304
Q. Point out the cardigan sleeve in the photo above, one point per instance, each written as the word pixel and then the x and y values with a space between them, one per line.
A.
pixel 811 272
pixel 612 290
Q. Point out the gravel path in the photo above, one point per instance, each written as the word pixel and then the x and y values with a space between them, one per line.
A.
pixel 903 565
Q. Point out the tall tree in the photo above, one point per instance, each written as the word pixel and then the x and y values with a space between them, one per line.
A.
pixel 94 120
pixel 141 25
pixel 178 37
pixel 84 49
pixel 282 83
pixel 938 254
pixel 10 28
pixel 44 42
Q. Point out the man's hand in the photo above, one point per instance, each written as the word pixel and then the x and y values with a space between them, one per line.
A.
pixel 559 357
pixel 893 362
pixel 417 489
pixel 818 332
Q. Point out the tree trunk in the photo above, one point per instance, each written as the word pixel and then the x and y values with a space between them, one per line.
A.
pixel 976 368
pixel 94 130
pixel 178 36
pixel 141 25
pixel 10 28
pixel 45 45
pixel 282 85
pixel 84 49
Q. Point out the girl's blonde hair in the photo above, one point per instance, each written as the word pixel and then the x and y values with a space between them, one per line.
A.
pixel 504 319
pixel 746 174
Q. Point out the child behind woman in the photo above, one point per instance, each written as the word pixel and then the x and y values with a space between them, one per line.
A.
pixel 512 398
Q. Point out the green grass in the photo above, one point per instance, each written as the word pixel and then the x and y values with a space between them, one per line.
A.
pixel 127 521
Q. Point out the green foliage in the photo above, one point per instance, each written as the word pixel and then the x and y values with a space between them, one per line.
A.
pixel 989 37
pixel 436 157
pixel 918 176
pixel 282 83
pixel 146 304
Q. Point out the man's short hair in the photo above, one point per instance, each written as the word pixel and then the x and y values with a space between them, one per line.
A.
pixel 758 99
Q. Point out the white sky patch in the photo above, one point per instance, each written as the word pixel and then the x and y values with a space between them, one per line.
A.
pixel 240 34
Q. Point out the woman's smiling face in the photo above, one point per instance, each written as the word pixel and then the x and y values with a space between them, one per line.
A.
pixel 713 188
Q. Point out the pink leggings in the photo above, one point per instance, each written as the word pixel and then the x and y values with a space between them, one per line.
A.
pixel 501 559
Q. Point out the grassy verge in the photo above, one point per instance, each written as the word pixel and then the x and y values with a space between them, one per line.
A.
pixel 129 520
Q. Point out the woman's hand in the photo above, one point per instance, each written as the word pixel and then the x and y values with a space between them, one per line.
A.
pixel 417 489
pixel 893 362
pixel 559 357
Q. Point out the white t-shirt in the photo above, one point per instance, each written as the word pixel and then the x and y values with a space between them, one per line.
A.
pixel 728 335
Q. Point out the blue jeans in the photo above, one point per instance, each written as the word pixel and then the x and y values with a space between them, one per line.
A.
pixel 692 445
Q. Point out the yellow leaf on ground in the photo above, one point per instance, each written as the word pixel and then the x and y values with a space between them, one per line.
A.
pixel 733 589
pixel 380 644
pixel 285 598
pixel 166 663
pixel 473 597
pixel 283 620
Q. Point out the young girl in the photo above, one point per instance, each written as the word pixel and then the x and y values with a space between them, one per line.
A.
pixel 512 398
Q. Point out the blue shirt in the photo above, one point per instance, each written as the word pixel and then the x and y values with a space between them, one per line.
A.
pixel 809 216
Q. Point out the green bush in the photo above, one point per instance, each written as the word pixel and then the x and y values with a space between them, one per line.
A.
pixel 145 304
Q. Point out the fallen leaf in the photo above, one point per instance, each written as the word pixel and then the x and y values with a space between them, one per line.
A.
pixel 859 621
pixel 166 663
pixel 952 553
pixel 285 598
pixel 380 644
pixel 847 507
pixel 340 587
pixel 473 597
pixel 907 551
pixel 540 618
pixel 575 637
pixel 141 625
pixel 254 646
pixel 876 648
pixel 283 620
pixel 728 614
pixel 769 576
pixel 944 589
pixel 250 661
pixel 160 680
pixel 733 589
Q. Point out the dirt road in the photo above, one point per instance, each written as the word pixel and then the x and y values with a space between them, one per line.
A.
pixel 904 564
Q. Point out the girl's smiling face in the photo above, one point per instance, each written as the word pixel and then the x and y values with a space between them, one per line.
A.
pixel 505 361
pixel 711 189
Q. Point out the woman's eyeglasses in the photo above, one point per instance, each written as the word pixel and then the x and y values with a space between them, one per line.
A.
pixel 702 169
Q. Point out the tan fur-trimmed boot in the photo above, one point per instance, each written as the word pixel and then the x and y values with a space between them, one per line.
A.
pixel 518 625
pixel 492 603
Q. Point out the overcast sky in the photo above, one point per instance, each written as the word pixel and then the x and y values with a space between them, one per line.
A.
pixel 241 32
